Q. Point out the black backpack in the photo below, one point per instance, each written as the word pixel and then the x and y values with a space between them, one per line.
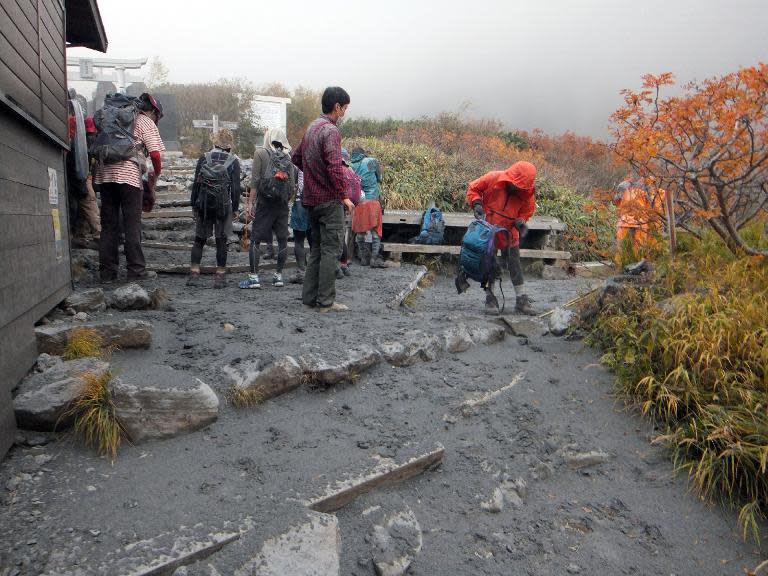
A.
pixel 277 179
pixel 214 194
pixel 115 122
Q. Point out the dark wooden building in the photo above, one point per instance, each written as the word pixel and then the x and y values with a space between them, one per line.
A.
pixel 34 248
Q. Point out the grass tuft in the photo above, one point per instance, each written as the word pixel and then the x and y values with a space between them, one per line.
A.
pixel 241 397
pixel 84 342
pixel 94 415
pixel 690 350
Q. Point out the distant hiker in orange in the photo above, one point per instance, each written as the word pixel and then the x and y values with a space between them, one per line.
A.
pixel 640 213
pixel 506 198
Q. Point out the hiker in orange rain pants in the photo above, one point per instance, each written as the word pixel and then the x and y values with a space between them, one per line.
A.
pixel 506 198
pixel 639 213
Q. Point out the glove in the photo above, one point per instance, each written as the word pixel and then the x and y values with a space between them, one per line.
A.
pixel 522 227
pixel 479 212
pixel 148 196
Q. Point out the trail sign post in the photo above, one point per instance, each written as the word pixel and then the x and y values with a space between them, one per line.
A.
pixel 214 124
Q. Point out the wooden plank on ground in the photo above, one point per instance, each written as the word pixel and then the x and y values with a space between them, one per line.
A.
pixel 403 294
pixel 441 249
pixel 386 473
pixel 167 214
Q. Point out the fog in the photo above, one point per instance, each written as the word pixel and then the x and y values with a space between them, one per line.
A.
pixel 552 64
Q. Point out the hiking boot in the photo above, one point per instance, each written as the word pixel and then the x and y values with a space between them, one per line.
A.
pixel 220 281
pixel 277 280
pixel 108 278
pixel 346 271
pixel 335 307
pixel 297 278
pixel 251 282
pixel 339 273
pixel 365 257
pixel 491 304
pixel 193 279
pixel 524 305
pixel 146 275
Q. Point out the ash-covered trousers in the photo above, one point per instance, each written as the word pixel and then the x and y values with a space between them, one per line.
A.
pixel 326 222
pixel 115 197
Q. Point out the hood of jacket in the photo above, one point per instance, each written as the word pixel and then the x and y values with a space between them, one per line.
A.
pixel 521 175
pixel 276 135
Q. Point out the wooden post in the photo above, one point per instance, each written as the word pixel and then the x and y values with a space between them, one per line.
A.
pixel 670 206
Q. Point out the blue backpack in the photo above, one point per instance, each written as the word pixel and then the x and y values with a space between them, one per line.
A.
pixel 432 227
pixel 478 251
pixel 366 169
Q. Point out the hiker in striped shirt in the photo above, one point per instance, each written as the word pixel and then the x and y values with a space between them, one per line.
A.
pixel 122 189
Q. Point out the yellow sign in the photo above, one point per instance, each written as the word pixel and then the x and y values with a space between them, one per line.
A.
pixel 56 217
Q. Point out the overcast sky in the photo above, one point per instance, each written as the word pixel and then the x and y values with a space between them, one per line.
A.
pixel 552 64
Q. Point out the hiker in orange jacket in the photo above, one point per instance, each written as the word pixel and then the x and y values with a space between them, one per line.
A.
pixel 507 198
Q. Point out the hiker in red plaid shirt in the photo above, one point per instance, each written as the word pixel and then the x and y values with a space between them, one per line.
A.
pixel 319 157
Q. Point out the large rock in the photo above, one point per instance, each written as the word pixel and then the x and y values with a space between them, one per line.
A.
pixel 44 398
pixel 325 372
pixel 129 297
pixel 457 339
pixel 487 333
pixel 120 333
pixel 277 378
pixel 560 320
pixel 87 301
pixel 310 548
pixel 397 540
pixel 415 346
pixel 160 402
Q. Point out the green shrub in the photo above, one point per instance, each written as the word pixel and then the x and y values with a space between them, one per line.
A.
pixel 690 349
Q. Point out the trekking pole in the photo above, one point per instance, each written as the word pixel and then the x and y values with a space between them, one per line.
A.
pixel 569 303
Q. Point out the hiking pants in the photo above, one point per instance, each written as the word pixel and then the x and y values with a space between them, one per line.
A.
pixel 115 197
pixel 510 258
pixel 221 228
pixel 298 247
pixel 371 238
pixel 269 217
pixel 326 222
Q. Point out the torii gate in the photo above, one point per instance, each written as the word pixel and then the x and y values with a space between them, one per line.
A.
pixel 96 70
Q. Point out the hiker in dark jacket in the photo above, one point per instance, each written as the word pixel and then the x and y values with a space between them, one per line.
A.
pixel 319 157
pixel 270 209
pixel 210 220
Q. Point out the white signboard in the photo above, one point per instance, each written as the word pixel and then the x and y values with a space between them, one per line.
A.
pixel 53 187
pixel 268 114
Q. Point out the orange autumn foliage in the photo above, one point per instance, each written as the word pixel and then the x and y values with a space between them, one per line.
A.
pixel 707 146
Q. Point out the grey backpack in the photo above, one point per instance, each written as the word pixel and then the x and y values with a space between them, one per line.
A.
pixel 277 179
pixel 115 123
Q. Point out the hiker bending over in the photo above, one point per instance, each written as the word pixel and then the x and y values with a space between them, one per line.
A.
pixel 319 157
pixel 215 198
pixel 119 168
pixel 273 184
pixel 506 198
pixel 367 223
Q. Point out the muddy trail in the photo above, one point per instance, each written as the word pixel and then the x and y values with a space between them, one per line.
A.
pixel 543 472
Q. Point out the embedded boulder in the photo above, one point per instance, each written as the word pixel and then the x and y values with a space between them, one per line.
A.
pixel 277 378
pixel 560 320
pixel 129 297
pixel 43 399
pixel 87 301
pixel 325 372
pixel 416 346
pixel 52 339
pixel 397 539
pixel 159 402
